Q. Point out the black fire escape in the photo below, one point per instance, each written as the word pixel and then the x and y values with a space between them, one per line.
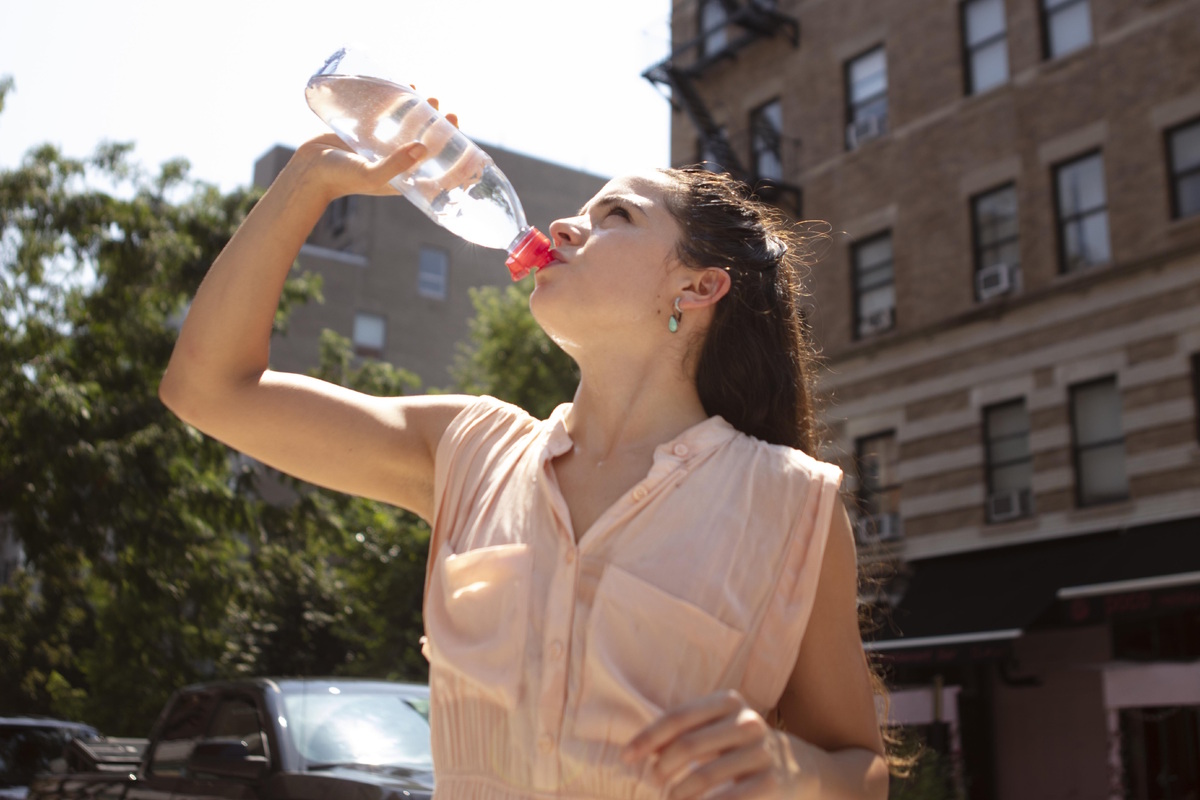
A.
pixel 745 23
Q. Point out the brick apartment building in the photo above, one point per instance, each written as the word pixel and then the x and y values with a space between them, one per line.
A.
pixel 398 285
pixel 1010 319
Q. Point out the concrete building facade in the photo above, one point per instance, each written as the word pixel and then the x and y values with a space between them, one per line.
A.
pixel 397 284
pixel 1010 319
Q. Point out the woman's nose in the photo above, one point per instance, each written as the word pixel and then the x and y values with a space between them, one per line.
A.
pixel 566 231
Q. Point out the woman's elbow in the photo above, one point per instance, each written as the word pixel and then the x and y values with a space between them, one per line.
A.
pixel 174 394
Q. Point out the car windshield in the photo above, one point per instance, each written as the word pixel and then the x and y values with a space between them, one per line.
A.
pixel 27 750
pixel 348 725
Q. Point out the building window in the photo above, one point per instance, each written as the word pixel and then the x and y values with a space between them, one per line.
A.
pixel 1099 443
pixel 1183 148
pixel 708 154
pixel 433 267
pixel 866 97
pixel 877 458
pixel 370 332
pixel 1009 462
pixel 766 141
pixel 874 286
pixel 997 242
pixel 713 20
pixel 1067 26
pixel 985 43
pixel 1082 213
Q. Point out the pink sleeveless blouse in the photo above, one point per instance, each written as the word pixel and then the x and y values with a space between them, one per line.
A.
pixel 547 657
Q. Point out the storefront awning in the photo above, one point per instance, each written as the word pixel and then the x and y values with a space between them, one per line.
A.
pixel 970 606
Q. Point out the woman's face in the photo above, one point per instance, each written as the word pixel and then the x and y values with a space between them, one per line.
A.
pixel 618 272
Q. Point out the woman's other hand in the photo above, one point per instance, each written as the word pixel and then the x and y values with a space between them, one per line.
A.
pixel 719 741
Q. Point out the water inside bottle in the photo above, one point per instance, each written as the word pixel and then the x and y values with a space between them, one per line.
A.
pixel 458 185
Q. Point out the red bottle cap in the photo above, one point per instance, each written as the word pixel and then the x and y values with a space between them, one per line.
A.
pixel 530 253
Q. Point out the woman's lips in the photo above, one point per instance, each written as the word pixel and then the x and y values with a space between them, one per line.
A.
pixel 555 260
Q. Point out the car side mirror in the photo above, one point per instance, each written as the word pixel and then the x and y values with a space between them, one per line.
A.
pixel 226 758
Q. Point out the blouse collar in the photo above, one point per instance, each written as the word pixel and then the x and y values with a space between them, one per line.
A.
pixel 697 440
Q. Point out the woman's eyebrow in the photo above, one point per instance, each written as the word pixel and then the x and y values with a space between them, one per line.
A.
pixel 610 200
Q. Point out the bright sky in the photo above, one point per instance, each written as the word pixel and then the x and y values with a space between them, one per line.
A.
pixel 219 82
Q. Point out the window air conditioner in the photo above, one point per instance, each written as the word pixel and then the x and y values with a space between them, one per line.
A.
pixel 878 528
pixel 864 130
pixel 995 280
pixel 876 321
pixel 1004 506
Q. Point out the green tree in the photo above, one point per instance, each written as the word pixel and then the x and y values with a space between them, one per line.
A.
pixel 129 519
pixel 509 356
pixel 342 576
pixel 152 558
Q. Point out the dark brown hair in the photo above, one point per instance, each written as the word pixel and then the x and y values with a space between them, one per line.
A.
pixel 755 365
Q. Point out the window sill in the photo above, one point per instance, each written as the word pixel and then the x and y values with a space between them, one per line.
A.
pixel 1101 510
pixel 1054 63
pixel 1182 223
pixel 1082 274
pixel 1029 522
pixel 872 338
pixel 990 93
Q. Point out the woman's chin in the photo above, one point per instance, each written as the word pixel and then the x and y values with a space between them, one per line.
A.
pixel 551 321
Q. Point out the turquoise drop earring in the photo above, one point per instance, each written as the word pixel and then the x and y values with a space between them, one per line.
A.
pixel 673 322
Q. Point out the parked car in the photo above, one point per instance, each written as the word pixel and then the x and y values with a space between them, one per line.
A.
pixel 275 739
pixel 29 745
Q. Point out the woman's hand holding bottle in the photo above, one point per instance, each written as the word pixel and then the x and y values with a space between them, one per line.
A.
pixel 339 171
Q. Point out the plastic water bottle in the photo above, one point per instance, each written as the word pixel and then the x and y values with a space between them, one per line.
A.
pixel 458 185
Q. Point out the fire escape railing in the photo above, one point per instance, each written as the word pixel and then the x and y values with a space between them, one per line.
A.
pixel 746 22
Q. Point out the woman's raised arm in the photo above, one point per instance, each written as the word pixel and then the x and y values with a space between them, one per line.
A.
pixel 218 380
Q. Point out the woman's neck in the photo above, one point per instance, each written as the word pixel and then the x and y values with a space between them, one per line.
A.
pixel 621 408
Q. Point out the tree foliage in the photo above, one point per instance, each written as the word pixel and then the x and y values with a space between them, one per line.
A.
pixel 152 557
pixel 124 514
pixel 351 603
pixel 510 357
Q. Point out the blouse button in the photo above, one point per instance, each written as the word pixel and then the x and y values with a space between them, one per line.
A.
pixel 570 557
pixel 556 650
pixel 681 450
pixel 546 743
pixel 639 493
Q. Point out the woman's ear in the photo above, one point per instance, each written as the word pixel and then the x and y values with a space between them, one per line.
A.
pixel 704 288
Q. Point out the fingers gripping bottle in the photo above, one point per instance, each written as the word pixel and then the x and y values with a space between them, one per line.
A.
pixel 458 185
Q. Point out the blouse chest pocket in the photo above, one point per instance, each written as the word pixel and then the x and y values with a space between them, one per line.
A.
pixel 646 652
pixel 476 617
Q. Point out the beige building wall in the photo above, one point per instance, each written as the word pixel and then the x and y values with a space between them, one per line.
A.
pixel 950 356
pixel 1139 322
pixel 368 249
